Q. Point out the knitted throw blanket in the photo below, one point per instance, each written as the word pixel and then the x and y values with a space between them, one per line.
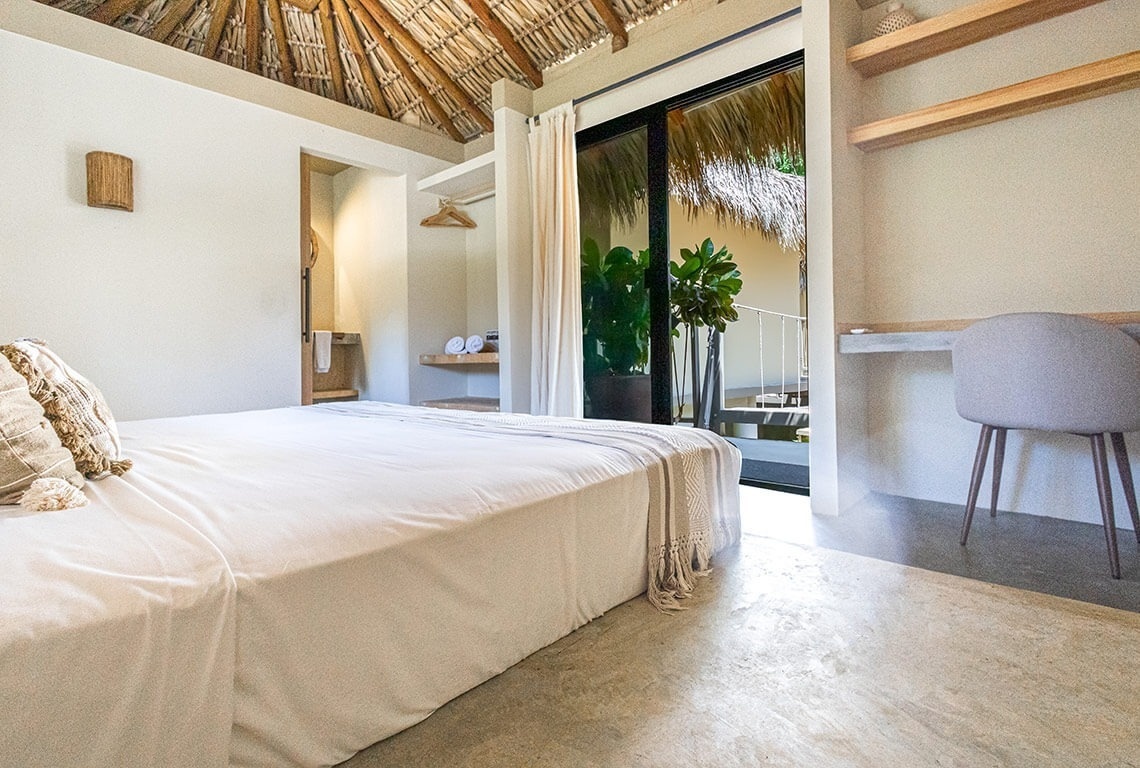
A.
pixel 693 476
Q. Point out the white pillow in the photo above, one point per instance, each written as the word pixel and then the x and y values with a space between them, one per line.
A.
pixel 29 447
pixel 73 405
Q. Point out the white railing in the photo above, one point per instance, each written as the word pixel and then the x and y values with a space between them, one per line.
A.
pixel 792 331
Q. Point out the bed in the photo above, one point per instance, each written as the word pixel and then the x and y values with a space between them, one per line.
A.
pixel 351 567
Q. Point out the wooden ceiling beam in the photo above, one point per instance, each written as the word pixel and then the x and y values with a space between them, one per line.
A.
pixel 613 22
pixel 392 27
pixel 217 27
pixel 332 51
pixel 284 55
pixel 113 10
pixel 344 16
pixel 389 48
pixel 500 32
pixel 253 36
pixel 176 12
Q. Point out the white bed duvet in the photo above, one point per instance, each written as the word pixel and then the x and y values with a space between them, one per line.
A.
pixel 323 576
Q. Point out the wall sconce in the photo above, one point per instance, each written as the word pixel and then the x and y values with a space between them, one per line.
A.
pixel 110 181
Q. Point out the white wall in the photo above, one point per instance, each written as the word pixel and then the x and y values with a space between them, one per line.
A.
pixel 482 289
pixel 1037 212
pixel 191 303
pixel 1034 213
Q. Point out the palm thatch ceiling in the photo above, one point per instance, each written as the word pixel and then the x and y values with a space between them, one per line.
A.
pixel 426 62
pixel 738 158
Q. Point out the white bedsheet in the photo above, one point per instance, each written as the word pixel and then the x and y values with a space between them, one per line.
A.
pixel 398 565
pixel 318 577
pixel 116 637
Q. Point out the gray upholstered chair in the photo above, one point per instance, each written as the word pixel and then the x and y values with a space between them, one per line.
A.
pixel 1052 372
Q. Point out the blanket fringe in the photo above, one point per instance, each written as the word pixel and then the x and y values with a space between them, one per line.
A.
pixel 51 493
pixel 675 568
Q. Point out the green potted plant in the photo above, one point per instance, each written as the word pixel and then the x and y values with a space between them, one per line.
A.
pixel 615 332
pixel 702 291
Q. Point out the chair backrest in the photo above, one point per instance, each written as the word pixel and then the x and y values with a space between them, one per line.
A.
pixel 1050 371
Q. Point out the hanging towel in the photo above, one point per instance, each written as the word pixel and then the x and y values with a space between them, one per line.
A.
pixel 454 346
pixel 473 344
pixel 322 351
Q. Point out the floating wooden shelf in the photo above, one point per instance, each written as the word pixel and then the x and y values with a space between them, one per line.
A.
pixel 487 404
pixel 325 395
pixel 479 358
pixel 1099 78
pixel 955 29
pixel 939 335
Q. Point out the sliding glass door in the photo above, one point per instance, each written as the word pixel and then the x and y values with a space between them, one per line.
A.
pixel 623 296
pixel 700 154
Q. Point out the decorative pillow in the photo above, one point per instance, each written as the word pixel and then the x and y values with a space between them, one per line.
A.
pixel 29 447
pixel 74 407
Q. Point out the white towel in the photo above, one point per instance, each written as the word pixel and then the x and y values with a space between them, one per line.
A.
pixel 473 344
pixel 454 346
pixel 322 351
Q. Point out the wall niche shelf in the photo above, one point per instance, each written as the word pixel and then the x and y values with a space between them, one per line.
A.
pixel 478 358
pixel 1119 73
pixel 952 30
pixel 485 404
pixel 333 395
pixel 468 182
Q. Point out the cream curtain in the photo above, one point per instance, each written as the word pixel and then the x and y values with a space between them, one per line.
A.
pixel 556 372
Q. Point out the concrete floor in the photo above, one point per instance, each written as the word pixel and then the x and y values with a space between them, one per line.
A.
pixel 1044 554
pixel 803 656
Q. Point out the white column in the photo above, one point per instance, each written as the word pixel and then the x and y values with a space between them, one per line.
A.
pixel 512 103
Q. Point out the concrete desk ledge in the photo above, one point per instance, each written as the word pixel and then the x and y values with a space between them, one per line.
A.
pixel 939 335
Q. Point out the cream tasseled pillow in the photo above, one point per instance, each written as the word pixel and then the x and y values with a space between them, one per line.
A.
pixel 29 447
pixel 73 405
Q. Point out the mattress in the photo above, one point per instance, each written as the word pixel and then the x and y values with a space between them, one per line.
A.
pixel 355 566
pixel 116 637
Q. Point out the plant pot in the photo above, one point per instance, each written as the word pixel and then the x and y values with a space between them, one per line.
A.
pixel 628 398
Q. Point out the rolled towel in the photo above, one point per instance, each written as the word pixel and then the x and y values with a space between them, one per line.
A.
pixel 322 351
pixel 473 344
pixel 454 346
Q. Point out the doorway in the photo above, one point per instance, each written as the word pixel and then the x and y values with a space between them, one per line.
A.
pixel 332 368
pixel 711 176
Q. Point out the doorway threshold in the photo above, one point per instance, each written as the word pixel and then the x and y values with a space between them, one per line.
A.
pixel 778 464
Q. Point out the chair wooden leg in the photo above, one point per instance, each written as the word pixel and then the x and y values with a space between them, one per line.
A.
pixel 999 459
pixel 976 479
pixel 1104 488
pixel 1125 470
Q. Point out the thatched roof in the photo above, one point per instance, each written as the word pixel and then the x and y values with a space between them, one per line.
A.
pixel 724 157
pixel 428 62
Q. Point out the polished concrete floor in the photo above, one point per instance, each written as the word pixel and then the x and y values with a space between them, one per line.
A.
pixel 793 654
pixel 1057 557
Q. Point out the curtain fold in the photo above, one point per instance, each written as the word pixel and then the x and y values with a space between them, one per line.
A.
pixel 556 372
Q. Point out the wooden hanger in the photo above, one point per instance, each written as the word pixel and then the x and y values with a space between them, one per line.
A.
pixel 448 216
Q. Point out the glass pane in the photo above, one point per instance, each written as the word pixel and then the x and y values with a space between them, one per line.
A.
pixel 612 177
pixel 737 183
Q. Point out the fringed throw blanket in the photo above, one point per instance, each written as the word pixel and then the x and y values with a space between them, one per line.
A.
pixel 693 475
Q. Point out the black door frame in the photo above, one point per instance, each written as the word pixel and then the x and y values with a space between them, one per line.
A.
pixel 654 118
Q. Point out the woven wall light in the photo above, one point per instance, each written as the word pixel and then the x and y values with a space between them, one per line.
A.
pixel 110 181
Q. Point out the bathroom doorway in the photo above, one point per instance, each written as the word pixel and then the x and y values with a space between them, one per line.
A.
pixel 332 364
